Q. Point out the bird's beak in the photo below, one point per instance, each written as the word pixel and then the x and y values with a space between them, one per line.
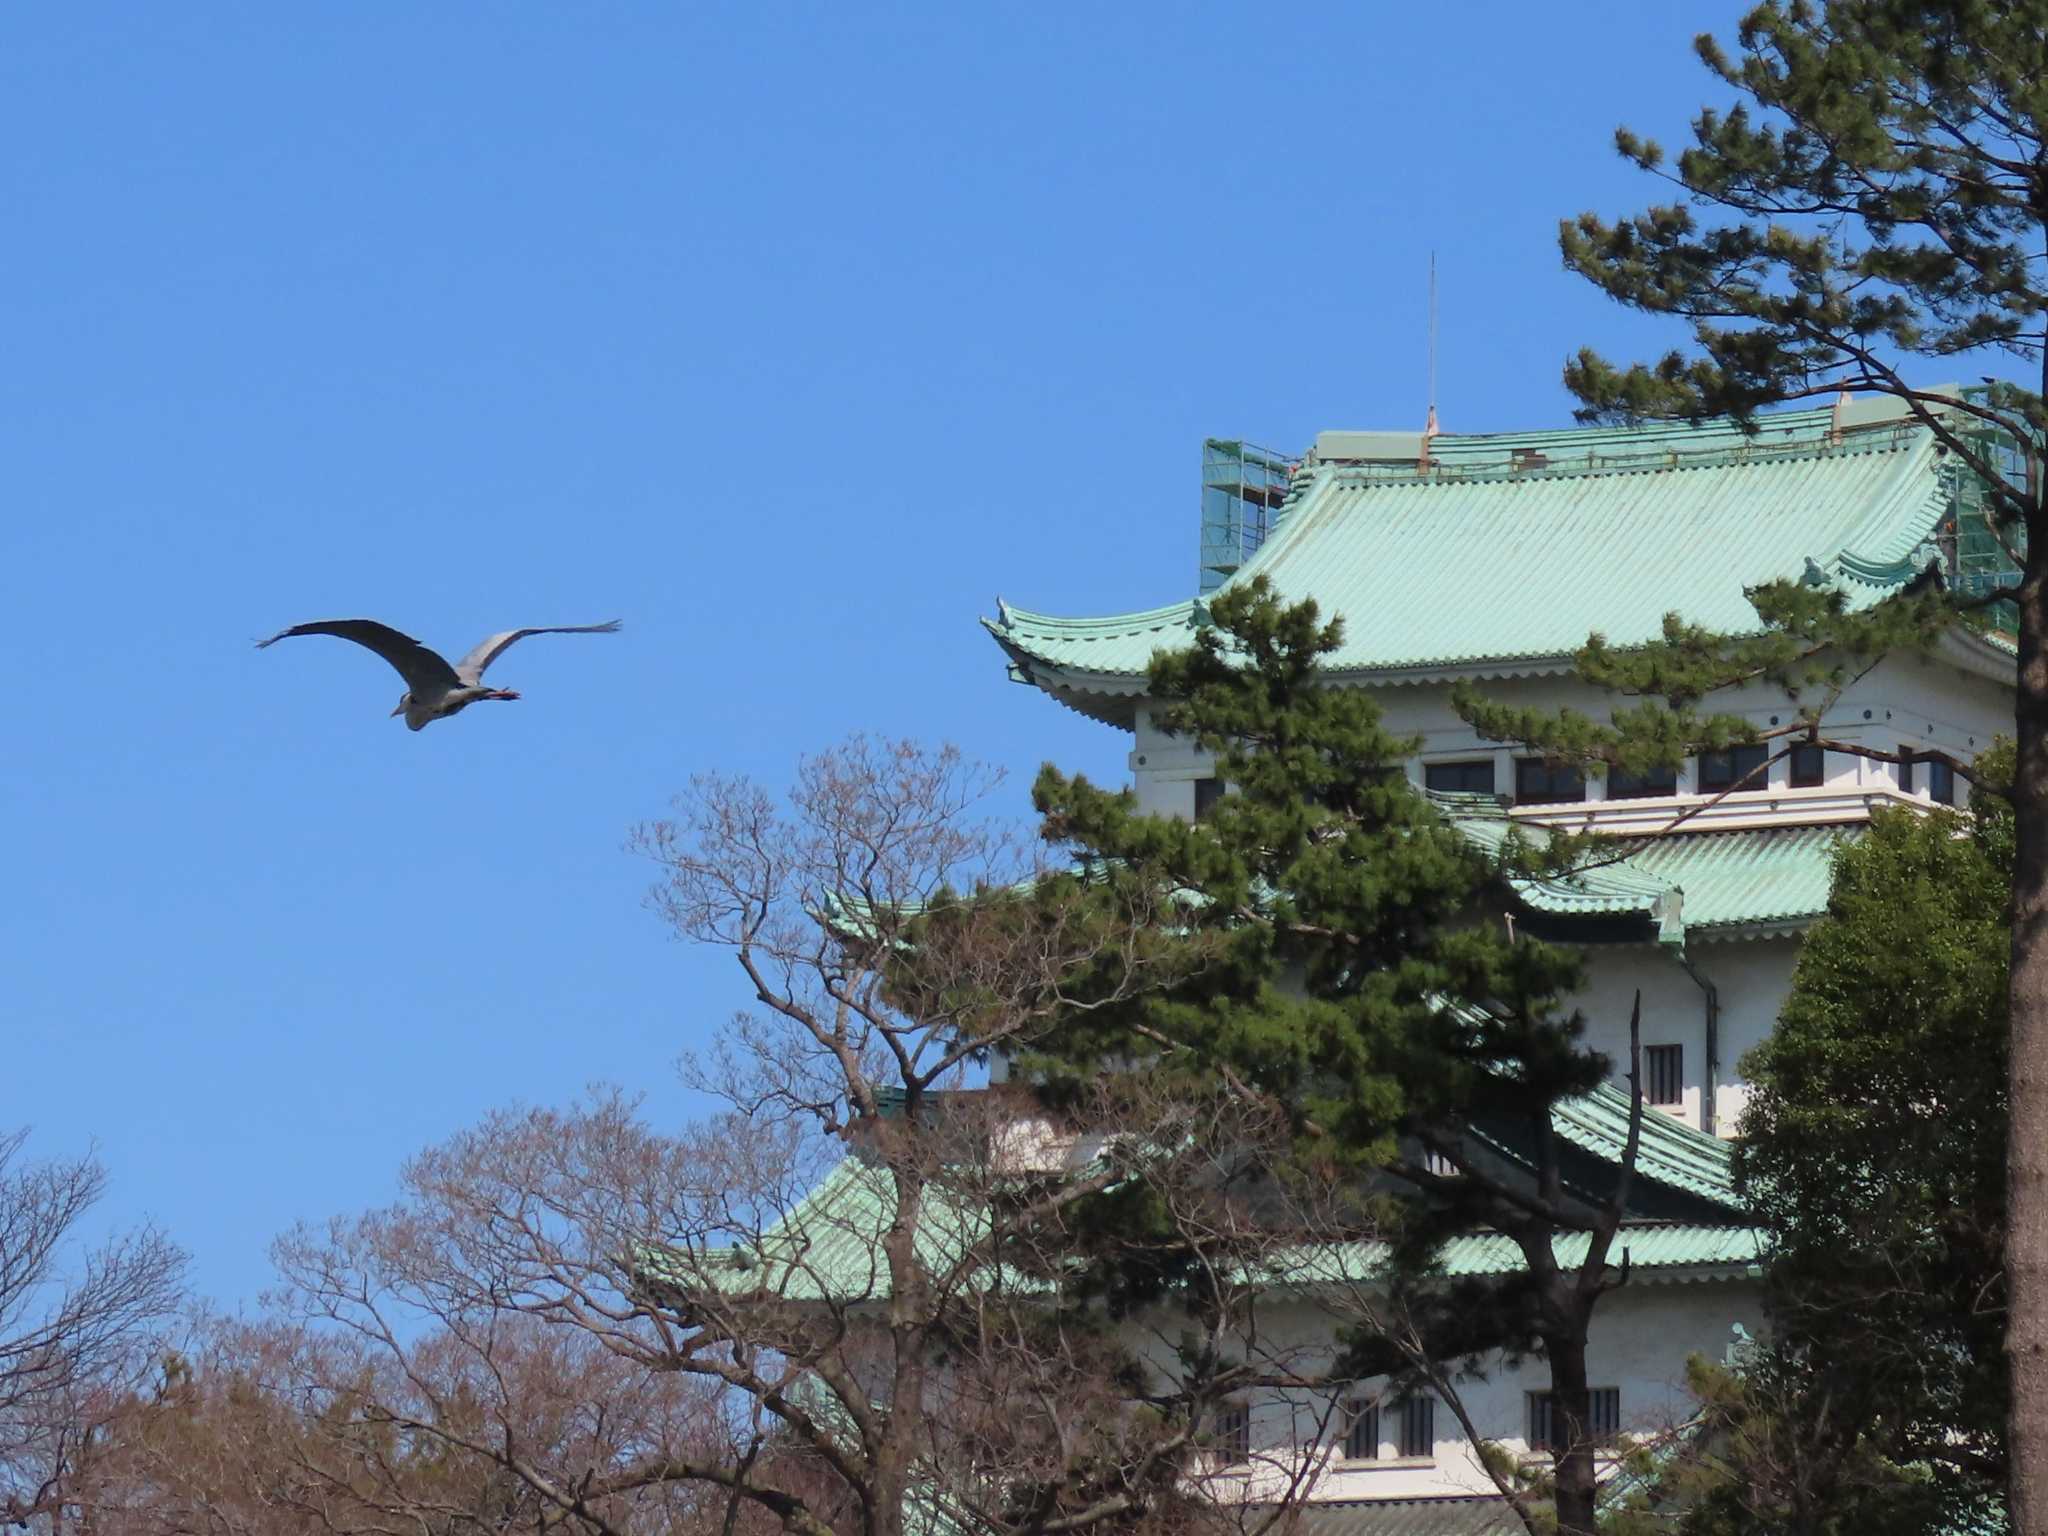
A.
pixel 397 712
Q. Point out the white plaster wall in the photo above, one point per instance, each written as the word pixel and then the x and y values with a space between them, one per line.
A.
pixel 1164 769
pixel 1642 1337
pixel 1906 700
pixel 1674 1013
pixel 1751 978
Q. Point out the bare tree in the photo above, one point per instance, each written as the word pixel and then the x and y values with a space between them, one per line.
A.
pixel 266 1428
pixel 77 1324
pixel 849 1302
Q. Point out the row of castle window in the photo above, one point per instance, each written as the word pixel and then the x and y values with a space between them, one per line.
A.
pixel 1411 1430
pixel 1542 783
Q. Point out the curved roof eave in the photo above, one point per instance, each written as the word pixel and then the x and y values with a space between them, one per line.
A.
pixel 1985 654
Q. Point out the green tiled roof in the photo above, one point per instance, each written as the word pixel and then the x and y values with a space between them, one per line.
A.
pixel 1730 879
pixel 1703 884
pixel 829 1244
pixel 1651 1247
pixel 1668 1151
pixel 1475 565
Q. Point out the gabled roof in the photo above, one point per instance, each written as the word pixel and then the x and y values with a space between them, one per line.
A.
pixel 1478 566
pixel 1674 886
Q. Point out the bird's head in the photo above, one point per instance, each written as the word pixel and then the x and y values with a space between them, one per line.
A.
pixel 404 703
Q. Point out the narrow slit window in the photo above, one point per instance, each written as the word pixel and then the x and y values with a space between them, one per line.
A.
pixel 1233 1433
pixel 1603 1419
pixel 1542 1430
pixel 1418 1427
pixel 1362 1430
pixel 1664 1075
pixel 1941 782
pixel 1606 1415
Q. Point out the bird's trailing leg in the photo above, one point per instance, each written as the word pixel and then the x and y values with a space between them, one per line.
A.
pixel 499 693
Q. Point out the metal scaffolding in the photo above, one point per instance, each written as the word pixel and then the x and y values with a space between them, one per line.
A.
pixel 1242 489
pixel 1976 550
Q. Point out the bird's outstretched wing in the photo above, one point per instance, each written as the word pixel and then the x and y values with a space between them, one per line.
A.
pixel 471 668
pixel 424 671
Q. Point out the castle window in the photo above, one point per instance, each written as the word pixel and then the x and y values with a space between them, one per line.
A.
pixel 1941 779
pixel 1541 783
pixel 1418 1427
pixel 1664 1074
pixel 1233 1433
pixel 1725 770
pixel 1207 793
pixel 1473 776
pixel 1622 785
pixel 1809 766
pixel 1941 782
pixel 1361 1430
pixel 1546 1426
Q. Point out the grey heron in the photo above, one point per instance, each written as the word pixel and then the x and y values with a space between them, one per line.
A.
pixel 433 689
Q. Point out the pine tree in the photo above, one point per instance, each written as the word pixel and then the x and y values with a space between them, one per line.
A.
pixel 1877 202
pixel 1341 987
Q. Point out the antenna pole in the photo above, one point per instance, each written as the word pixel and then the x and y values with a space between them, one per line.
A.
pixel 1432 338
pixel 1429 427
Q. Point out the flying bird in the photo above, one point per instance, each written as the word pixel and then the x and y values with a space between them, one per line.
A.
pixel 433 689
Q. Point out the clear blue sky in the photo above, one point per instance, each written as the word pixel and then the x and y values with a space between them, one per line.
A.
pixel 791 336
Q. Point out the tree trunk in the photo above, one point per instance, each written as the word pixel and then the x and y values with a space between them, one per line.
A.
pixel 888 1489
pixel 1571 1409
pixel 2026 1239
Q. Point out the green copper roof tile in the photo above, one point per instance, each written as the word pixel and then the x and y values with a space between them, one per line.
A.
pixel 1669 1151
pixel 1455 1515
pixel 1475 566
pixel 1731 879
pixel 829 1244
pixel 1684 882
